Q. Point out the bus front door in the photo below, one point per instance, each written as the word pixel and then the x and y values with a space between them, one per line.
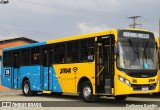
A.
pixel 105 64
pixel 47 69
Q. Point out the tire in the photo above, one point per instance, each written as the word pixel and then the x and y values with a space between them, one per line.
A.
pixel 87 92
pixel 120 97
pixel 26 88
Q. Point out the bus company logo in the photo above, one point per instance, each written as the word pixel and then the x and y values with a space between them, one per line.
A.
pixel 65 70
pixel 75 69
pixel 4 1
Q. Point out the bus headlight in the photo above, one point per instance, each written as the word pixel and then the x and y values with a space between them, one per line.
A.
pixel 121 79
pixel 127 82
pixel 124 80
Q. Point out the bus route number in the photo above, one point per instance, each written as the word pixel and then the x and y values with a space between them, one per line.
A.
pixel 7 72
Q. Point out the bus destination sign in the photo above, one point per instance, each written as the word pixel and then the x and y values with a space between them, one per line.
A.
pixel 135 35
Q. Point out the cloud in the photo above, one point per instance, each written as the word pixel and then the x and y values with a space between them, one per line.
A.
pixel 87 28
pixel 33 6
pixel 75 17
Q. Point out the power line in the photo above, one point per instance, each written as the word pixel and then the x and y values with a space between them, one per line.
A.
pixel 76 10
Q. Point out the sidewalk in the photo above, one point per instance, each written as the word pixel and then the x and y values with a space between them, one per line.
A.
pixel 6 91
pixel 2 88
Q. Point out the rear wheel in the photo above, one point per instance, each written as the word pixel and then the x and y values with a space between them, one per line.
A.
pixel 120 97
pixel 87 92
pixel 26 89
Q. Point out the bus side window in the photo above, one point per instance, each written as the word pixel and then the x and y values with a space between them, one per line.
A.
pixel 7 59
pixel 26 57
pixel 91 48
pixel 60 52
pixel 72 52
pixel 35 56
pixel 69 52
pixel 84 52
pixel 87 49
pixel 17 59
pixel 47 56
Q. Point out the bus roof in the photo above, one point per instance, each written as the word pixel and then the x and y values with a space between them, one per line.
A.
pixel 81 36
pixel 71 38
pixel 91 35
pixel 136 29
pixel 59 40
pixel 24 46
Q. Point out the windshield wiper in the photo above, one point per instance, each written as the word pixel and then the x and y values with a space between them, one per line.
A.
pixel 136 52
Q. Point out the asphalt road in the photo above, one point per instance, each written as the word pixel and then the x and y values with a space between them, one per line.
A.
pixel 67 101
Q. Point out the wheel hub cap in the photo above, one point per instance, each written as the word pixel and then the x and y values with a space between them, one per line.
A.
pixel 87 91
pixel 26 88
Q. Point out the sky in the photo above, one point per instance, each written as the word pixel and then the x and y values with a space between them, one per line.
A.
pixel 42 20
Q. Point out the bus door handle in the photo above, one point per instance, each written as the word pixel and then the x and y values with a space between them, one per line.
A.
pixel 100 71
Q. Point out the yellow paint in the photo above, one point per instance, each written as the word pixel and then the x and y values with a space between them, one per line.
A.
pixel 47 92
pixel 69 81
pixel 122 88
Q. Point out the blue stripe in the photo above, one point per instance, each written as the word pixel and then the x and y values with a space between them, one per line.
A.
pixel 25 46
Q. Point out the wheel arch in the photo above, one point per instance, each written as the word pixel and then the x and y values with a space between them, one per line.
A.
pixel 24 79
pixel 80 83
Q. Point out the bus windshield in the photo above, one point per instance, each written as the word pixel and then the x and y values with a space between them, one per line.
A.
pixel 137 55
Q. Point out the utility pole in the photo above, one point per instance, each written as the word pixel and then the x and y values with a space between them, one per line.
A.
pixel 134 21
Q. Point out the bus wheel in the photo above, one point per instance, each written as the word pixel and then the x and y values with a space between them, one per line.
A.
pixel 87 92
pixel 26 89
pixel 120 97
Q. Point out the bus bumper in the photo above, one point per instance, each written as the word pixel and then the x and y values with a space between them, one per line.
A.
pixel 124 88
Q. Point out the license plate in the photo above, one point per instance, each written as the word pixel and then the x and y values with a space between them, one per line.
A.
pixel 144 88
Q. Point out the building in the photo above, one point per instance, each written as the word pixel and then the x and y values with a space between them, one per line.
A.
pixel 12 43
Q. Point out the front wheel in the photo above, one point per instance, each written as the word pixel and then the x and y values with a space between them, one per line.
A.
pixel 26 89
pixel 87 92
pixel 120 97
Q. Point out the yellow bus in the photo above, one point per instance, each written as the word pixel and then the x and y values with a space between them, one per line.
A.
pixel 114 62
pixel 158 45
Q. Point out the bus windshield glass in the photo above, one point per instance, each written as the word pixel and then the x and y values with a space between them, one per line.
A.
pixel 137 55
